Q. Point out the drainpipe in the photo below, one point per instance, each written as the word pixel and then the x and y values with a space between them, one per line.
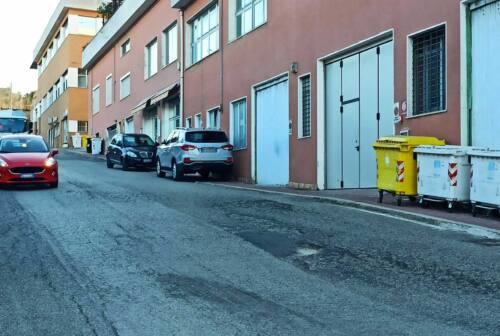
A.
pixel 221 46
pixel 181 63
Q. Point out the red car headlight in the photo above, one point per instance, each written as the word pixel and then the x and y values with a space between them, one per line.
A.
pixel 50 162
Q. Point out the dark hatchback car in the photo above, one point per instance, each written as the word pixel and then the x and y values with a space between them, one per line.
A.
pixel 131 150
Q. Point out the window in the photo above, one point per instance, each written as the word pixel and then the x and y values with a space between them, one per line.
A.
pixel 198 123
pixel 205 34
pixel 249 15
pixel 109 90
pixel 428 71
pixel 189 122
pixel 82 78
pixel 82 127
pixel 65 80
pixel 206 137
pixel 213 118
pixel 169 45
pixel 151 59
pixel 96 99
pixel 239 124
pixel 125 48
pixel 125 86
pixel 304 106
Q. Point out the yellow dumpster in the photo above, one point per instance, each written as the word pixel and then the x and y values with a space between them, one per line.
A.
pixel 85 139
pixel 397 166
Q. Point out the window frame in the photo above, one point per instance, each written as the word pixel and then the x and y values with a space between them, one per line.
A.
pixel 128 74
pixel 165 55
pixel 191 23
pixel 207 117
pixel 124 51
pixel 409 71
pixel 148 59
pixel 232 120
pixel 300 112
pixel 190 119
pixel 241 11
pixel 198 116
pixel 110 92
pixel 96 109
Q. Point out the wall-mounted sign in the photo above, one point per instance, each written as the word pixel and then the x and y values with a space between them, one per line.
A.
pixel 397 114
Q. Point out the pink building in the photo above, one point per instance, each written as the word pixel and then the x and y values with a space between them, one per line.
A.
pixel 133 72
pixel 303 88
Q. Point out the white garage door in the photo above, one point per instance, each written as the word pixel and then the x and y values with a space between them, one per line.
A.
pixel 485 121
pixel 272 138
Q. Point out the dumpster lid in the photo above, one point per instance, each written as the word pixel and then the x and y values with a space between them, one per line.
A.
pixel 443 150
pixel 484 152
pixel 410 140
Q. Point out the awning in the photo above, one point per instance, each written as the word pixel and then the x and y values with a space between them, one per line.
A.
pixel 165 93
pixel 142 105
pixel 155 98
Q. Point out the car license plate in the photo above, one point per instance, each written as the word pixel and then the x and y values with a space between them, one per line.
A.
pixel 209 150
pixel 27 176
pixel 147 160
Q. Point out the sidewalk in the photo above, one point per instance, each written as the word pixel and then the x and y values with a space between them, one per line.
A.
pixel 83 152
pixel 368 199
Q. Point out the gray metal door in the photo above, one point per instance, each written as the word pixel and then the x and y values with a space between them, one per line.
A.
pixel 359 100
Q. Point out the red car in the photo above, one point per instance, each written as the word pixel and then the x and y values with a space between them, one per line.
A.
pixel 26 159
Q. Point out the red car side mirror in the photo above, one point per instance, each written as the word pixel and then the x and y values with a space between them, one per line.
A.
pixel 54 152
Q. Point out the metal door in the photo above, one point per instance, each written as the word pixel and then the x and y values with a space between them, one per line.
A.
pixel 359 100
pixel 485 121
pixel 350 122
pixel 272 133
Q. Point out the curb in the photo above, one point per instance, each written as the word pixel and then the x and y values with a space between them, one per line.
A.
pixel 85 154
pixel 437 222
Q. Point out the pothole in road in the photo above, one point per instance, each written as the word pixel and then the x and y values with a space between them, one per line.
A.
pixel 486 242
pixel 308 250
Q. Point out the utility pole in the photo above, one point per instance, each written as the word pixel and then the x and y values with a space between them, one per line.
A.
pixel 11 100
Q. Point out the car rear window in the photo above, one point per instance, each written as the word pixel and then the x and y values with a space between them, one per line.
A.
pixel 206 137
pixel 137 141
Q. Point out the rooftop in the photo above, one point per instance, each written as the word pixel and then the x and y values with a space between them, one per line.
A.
pixel 122 20
pixel 56 19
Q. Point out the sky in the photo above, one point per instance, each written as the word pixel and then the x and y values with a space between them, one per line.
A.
pixel 22 23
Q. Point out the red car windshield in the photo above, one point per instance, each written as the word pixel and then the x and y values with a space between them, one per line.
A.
pixel 23 145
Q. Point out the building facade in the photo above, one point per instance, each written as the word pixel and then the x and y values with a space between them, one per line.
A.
pixel 60 108
pixel 304 88
pixel 133 68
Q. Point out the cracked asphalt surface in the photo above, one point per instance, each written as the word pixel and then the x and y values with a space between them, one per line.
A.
pixel 126 253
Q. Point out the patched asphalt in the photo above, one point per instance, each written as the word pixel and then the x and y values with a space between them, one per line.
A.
pixel 127 253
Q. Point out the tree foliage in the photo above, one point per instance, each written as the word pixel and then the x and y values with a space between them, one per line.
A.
pixel 19 101
pixel 108 8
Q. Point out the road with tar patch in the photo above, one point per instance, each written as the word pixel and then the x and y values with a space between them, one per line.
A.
pixel 126 253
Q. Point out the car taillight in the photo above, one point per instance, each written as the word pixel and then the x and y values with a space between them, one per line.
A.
pixel 187 161
pixel 188 148
pixel 229 160
pixel 228 147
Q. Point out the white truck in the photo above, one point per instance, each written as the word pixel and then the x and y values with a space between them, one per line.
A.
pixel 14 122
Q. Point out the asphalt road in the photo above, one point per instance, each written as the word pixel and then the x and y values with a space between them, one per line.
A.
pixel 126 253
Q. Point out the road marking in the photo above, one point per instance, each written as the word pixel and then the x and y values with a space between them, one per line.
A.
pixel 440 223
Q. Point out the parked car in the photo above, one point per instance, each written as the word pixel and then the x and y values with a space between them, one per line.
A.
pixel 131 150
pixel 195 150
pixel 26 159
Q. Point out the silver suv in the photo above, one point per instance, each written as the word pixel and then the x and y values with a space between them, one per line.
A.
pixel 195 150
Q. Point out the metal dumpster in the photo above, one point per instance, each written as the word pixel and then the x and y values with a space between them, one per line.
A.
pixel 396 165
pixel 485 179
pixel 443 174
